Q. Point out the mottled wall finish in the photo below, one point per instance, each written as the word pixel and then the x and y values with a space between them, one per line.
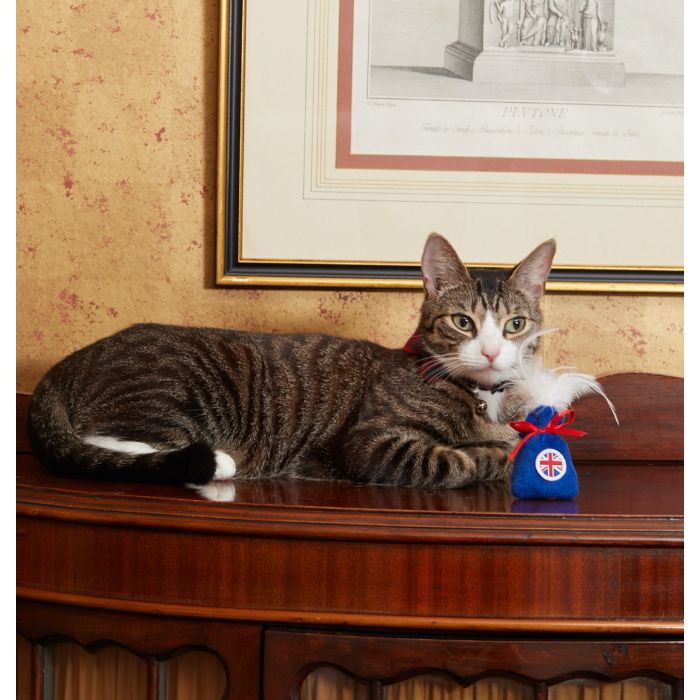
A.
pixel 116 137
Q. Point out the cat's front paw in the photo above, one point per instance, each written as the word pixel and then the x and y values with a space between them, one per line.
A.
pixel 497 467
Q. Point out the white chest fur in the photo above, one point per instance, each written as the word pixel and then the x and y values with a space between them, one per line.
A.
pixel 493 402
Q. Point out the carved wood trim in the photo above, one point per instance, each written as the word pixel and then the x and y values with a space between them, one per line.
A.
pixel 290 657
pixel 237 646
pixel 510 528
pixel 541 689
pixel 302 617
pixel 153 683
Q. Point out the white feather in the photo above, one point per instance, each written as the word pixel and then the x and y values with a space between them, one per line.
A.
pixel 527 350
pixel 537 386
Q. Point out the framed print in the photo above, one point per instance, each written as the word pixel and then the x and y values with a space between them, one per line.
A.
pixel 351 129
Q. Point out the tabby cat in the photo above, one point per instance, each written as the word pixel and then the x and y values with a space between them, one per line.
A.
pixel 178 405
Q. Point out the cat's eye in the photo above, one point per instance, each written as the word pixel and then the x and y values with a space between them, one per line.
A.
pixel 464 323
pixel 514 325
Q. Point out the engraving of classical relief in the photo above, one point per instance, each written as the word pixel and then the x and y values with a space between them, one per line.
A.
pixel 569 24
pixel 591 21
pixel 534 22
pixel 508 13
pixel 558 24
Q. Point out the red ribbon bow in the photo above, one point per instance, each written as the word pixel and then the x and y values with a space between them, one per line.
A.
pixel 556 426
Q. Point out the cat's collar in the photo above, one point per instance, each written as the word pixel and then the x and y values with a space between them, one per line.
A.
pixel 430 368
pixel 496 388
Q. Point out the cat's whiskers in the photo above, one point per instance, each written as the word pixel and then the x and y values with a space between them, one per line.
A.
pixel 450 368
pixel 437 361
pixel 442 367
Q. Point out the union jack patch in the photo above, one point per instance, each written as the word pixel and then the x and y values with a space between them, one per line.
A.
pixel 550 464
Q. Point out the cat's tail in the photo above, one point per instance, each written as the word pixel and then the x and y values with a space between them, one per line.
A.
pixel 61 450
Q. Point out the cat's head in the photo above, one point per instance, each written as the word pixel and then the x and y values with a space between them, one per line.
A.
pixel 475 323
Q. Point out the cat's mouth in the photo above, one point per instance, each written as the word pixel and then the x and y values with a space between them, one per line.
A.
pixel 489 376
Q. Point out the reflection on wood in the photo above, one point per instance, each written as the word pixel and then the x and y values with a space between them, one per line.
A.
pixel 331 684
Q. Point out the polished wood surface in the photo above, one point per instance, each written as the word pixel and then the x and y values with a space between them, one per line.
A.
pixel 635 502
pixel 314 552
pixel 291 656
pixel 650 409
pixel 157 567
pixel 607 488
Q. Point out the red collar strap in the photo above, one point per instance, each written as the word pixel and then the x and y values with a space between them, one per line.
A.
pixel 428 366
pixel 414 345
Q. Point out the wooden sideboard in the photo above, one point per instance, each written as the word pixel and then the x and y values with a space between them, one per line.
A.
pixel 379 582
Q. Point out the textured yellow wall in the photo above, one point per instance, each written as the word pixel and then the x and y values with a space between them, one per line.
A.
pixel 116 138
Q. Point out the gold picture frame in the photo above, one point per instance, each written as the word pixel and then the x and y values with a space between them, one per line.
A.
pixel 239 75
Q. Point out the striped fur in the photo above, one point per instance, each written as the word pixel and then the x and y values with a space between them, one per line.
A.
pixel 305 406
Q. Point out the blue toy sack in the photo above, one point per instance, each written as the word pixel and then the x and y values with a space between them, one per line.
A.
pixel 542 466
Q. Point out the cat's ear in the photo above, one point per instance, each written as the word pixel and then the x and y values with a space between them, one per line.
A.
pixel 531 274
pixel 441 267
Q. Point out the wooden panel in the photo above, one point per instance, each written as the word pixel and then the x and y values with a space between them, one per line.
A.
pixel 238 646
pixel 290 656
pixel 23 659
pixel 293 551
pixel 650 409
pixel 421 584
pixel 314 552
pixel 153 689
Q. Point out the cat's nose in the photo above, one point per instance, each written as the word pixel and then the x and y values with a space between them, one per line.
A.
pixel 490 354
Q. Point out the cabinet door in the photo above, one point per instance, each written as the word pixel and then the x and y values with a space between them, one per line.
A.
pixel 119 655
pixel 321 666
